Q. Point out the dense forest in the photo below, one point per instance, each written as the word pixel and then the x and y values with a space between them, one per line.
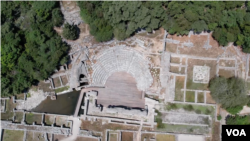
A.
pixel 30 48
pixel 229 21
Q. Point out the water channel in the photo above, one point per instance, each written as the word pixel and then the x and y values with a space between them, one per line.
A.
pixel 64 104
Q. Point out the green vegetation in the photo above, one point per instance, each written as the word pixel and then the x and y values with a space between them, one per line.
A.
pixel 13 135
pixel 28 95
pixel 179 84
pixel 61 89
pixel 190 96
pixel 70 32
pixel 30 118
pixel 196 86
pixel 199 109
pixel 30 48
pixel 171 106
pixel 200 97
pixel 230 93
pixel 19 117
pixel 238 120
pixel 158 119
pixel 219 117
pixel 229 20
pixel 234 110
pixel 8 115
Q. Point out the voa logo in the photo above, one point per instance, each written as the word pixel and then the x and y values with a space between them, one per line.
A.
pixel 236 132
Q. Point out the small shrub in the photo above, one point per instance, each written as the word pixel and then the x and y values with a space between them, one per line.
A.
pixel 219 117
pixel 197 111
pixel 188 108
pixel 159 120
pixel 172 106
pixel 206 120
pixel 159 123
pixel 207 112
pixel 191 130
pixel 234 110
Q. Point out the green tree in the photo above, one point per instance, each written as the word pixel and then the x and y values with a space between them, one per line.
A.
pixel 57 17
pixel 70 32
pixel 230 93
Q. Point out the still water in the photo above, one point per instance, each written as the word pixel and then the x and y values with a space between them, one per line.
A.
pixel 64 104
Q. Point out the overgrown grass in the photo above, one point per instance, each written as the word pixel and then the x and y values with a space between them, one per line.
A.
pixel 179 84
pixel 19 117
pixel 61 89
pixel 200 97
pixel 234 110
pixel 238 120
pixel 199 109
pixel 190 96
pixel 30 118
pixel 13 135
pixel 196 86
pixel 158 119
pixel 8 115
pixel 28 95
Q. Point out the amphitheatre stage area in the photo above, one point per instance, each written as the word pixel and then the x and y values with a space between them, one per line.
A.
pixel 120 90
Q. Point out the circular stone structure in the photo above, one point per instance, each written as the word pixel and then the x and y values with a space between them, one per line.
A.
pixel 121 59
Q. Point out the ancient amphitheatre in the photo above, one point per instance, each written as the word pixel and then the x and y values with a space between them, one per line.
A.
pixel 127 85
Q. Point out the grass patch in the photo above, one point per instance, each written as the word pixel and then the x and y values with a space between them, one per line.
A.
pixel 190 96
pixel 30 118
pixel 13 135
pixel 19 117
pixel 179 95
pixel 179 84
pixel 162 137
pixel 199 109
pixel 61 89
pixel 200 97
pixel 234 110
pixel 238 120
pixel 196 86
pixel 171 106
pixel 28 95
pixel 8 115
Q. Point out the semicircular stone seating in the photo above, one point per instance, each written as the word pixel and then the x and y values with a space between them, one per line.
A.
pixel 121 58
